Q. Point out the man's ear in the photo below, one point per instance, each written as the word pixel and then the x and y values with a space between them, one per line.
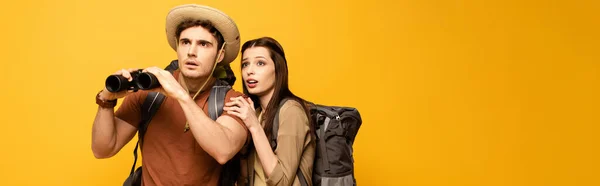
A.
pixel 221 56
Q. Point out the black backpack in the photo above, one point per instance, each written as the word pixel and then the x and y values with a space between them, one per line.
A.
pixel 230 171
pixel 336 128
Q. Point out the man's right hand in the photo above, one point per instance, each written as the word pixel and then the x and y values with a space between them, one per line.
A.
pixel 110 133
pixel 107 95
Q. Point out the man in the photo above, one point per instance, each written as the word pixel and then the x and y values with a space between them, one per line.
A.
pixel 182 145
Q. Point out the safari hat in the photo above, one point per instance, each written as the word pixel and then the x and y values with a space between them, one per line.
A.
pixel 223 23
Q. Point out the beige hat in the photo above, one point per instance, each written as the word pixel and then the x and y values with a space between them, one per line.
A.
pixel 223 23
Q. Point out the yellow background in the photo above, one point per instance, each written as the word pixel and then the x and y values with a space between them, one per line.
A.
pixel 451 92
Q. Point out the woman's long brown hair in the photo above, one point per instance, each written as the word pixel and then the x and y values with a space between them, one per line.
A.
pixel 281 85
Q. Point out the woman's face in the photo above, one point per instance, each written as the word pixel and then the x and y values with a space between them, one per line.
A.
pixel 258 71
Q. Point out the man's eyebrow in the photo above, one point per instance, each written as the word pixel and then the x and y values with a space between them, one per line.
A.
pixel 204 41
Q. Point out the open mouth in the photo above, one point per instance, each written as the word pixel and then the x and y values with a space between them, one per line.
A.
pixel 251 83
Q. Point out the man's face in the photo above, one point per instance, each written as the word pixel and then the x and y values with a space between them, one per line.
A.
pixel 196 52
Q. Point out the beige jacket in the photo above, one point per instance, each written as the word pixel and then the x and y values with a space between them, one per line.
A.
pixel 295 148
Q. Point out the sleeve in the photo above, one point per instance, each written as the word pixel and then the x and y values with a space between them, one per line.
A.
pixel 130 109
pixel 231 94
pixel 293 129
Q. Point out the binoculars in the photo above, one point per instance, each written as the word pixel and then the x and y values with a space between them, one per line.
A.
pixel 141 80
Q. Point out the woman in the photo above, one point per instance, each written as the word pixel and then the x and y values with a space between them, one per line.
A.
pixel 265 80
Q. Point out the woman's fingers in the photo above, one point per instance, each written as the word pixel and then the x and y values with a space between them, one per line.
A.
pixel 250 102
pixel 241 100
pixel 236 109
pixel 235 113
pixel 231 103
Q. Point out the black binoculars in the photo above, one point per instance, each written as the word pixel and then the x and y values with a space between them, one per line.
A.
pixel 141 80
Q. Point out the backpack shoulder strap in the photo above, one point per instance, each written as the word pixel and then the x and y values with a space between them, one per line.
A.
pixel 216 99
pixel 174 65
pixel 149 108
pixel 273 141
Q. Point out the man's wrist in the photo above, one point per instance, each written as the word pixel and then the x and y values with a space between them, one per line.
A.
pixel 183 97
pixel 103 95
pixel 105 103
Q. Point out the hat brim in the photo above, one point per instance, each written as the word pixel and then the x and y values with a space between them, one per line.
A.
pixel 223 23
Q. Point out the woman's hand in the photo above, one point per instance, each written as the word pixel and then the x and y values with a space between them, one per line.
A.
pixel 243 108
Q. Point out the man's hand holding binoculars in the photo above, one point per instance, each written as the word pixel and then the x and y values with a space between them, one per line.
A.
pixel 167 84
pixel 112 89
pixel 126 81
